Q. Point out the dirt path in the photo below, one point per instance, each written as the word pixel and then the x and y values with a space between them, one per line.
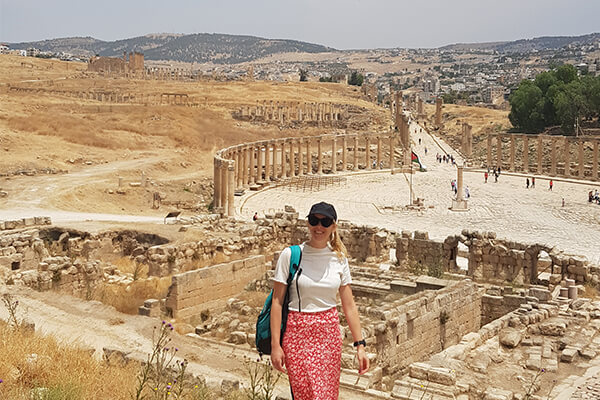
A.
pixel 93 325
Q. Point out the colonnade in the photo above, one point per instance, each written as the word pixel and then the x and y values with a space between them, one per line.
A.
pixel 251 165
pixel 293 111
pixel 540 154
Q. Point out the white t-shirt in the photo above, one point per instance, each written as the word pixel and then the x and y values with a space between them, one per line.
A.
pixel 322 275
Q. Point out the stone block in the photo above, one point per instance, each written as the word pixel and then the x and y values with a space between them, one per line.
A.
pixel 443 376
pixel 553 328
pixel 510 338
pixel 568 355
pixel 497 394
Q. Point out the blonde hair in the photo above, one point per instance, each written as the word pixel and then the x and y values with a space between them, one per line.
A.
pixel 337 245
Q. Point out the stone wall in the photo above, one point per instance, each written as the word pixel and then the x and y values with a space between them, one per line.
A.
pixel 500 301
pixel 413 328
pixel 496 260
pixel 24 222
pixel 195 291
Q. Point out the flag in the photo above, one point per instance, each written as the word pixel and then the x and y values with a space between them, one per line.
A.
pixel 415 158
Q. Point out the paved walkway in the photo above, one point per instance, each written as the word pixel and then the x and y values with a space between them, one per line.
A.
pixel 506 207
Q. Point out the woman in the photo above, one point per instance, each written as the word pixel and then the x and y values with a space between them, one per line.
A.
pixel 312 343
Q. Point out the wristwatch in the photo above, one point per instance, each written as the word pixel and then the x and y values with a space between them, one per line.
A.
pixel 361 341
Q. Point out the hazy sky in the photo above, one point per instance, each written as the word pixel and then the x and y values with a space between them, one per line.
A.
pixel 343 24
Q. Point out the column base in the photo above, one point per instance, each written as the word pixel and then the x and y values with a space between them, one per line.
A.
pixel 459 205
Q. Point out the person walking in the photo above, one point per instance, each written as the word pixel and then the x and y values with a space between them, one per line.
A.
pixel 532 182
pixel 311 349
pixel 485 175
pixel 551 184
pixel 527 183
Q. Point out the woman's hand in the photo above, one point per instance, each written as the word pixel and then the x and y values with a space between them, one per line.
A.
pixel 278 359
pixel 363 360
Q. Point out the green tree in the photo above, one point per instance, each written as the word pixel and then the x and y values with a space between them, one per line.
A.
pixel 527 107
pixel 356 79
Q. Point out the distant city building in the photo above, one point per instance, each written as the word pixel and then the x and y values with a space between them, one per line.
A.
pixel 492 94
pixel 33 52
pixel 4 49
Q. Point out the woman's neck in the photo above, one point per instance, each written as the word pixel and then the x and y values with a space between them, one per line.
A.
pixel 317 245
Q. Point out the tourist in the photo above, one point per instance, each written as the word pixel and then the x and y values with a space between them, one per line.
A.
pixel 485 175
pixel 532 182
pixel 467 193
pixel 590 196
pixel 495 176
pixel 255 217
pixel 419 140
pixel 311 349
pixel 550 184
pixel 527 183
pixel 425 150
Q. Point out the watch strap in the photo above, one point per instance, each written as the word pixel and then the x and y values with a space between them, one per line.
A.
pixel 359 342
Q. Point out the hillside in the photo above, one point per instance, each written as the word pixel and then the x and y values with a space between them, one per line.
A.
pixel 200 47
pixel 523 45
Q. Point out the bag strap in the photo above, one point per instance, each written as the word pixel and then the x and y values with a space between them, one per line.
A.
pixel 294 261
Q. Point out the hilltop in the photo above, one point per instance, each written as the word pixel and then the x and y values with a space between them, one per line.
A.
pixel 525 45
pixel 199 47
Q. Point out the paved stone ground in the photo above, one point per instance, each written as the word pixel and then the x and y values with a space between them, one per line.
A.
pixel 507 207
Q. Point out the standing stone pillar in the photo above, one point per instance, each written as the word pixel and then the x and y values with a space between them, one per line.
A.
pixel 511 166
pixel 459 204
pixel 489 150
pixel 367 153
pixel 392 153
pixel 252 172
pixel 333 156
pixel 284 163
pixel 216 184
pixel 344 153
pixel 467 140
pixel 238 163
pixel 540 154
pixel 319 157
pixel 567 157
pixel 231 189
pixel 355 161
pixel 300 159
pixel 525 153
pixel 261 162
pixel 224 187
pixel 438 111
pixel 581 162
pixel 499 151
pixel 267 161
pixel 595 161
pixel 245 166
pixel 378 151
pixel 553 157
pixel 309 156
pixel 292 171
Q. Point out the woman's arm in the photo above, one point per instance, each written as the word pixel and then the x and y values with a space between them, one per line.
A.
pixel 351 313
pixel 277 355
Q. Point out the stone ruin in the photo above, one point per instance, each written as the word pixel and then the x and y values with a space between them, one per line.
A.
pixel 443 319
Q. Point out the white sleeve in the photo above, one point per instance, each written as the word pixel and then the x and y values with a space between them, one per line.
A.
pixel 346 278
pixel 282 270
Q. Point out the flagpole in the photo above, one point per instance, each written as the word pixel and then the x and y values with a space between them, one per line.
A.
pixel 411 187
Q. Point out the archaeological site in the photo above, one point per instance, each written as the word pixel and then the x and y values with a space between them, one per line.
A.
pixel 127 197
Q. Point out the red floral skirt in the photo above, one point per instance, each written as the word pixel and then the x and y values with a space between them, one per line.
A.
pixel 312 344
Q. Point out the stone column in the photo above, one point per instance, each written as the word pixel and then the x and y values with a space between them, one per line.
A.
pixel 319 157
pixel 540 154
pixel 333 156
pixel 355 161
pixel 292 171
pixel 581 162
pixel 238 167
pixel 267 161
pixel 224 187
pixel 344 153
pixel 284 163
pixel 261 163
pixel 511 166
pixel 367 153
pixel 392 153
pixel 231 189
pixel 378 151
pixel 438 111
pixel 567 157
pixel 300 159
pixel 499 151
pixel 525 153
pixel 245 166
pixel 216 184
pixel 308 156
pixel 553 157
pixel 252 156
pixel 459 204
pixel 489 150
pixel 595 161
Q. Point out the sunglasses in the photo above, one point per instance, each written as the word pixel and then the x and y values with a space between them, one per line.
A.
pixel 325 221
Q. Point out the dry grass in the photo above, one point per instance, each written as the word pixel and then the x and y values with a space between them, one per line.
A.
pixel 128 298
pixel 31 363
